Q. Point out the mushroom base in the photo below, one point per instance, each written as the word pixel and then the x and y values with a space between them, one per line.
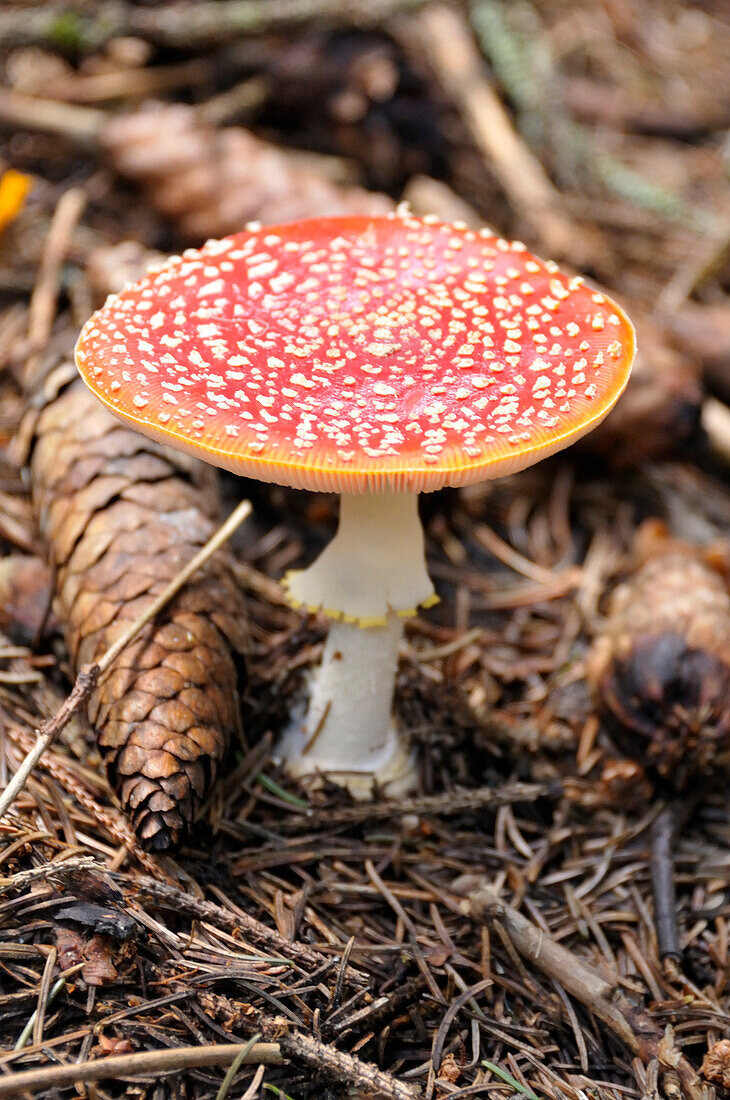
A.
pixel 348 732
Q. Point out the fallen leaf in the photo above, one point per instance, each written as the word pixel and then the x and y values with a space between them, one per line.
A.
pixel 14 188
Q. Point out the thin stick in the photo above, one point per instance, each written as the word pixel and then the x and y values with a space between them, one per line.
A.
pixel 149 1063
pixel 556 961
pixel 21 879
pixel 87 677
pixel 601 997
pixel 241 512
pixel 42 308
pixel 171 897
pixel 135 83
pixel 82 125
pixel 458 65
pixel 453 802
pixel 189 24
pixel 341 1066
pixel 662 883
pixel 47 733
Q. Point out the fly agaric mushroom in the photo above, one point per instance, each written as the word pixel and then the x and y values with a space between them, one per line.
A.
pixel 378 358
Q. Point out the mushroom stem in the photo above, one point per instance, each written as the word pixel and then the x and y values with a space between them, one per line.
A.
pixel 349 732
pixel 375 563
pixel 367 580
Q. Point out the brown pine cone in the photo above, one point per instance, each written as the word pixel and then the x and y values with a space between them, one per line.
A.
pixel 121 516
pixel 211 182
pixel 716 1063
pixel 661 667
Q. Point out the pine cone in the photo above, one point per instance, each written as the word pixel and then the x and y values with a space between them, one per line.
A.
pixel 121 516
pixel 661 668
pixel 716 1063
pixel 211 182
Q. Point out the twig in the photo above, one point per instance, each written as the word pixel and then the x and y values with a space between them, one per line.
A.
pixel 662 882
pixel 88 677
pixel 716 425
pixel 47 733
pixel 108 817
pixel 47 871
pixel 601 997
pixel 43 300
pixel 556 961
pixel 135 83
pixel 83 125
pixel 172 898
pixel 371 1081
pixel 241 512
pixel 149 1063
pixel 458 65
pixel 186 24
pixel 453 802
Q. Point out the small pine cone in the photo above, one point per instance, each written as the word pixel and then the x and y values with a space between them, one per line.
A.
pixel 661 667
pixel 211 182
pixel 121 517
pixel 716 1063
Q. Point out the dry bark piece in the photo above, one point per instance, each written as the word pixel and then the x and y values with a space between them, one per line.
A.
pixel 661 666
pixel 95 952
pixel 121 517
pixel 104 919
pixel 211 182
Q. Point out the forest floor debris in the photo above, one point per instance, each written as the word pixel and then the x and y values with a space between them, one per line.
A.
pixel 338 935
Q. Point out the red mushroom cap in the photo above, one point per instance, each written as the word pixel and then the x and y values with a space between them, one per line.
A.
pixel 360 354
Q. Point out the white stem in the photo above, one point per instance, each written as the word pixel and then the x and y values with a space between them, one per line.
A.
pixel 349 724
pixel 375 563
pixel 370 576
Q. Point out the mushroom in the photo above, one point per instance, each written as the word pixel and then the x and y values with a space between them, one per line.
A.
pixel 375 357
